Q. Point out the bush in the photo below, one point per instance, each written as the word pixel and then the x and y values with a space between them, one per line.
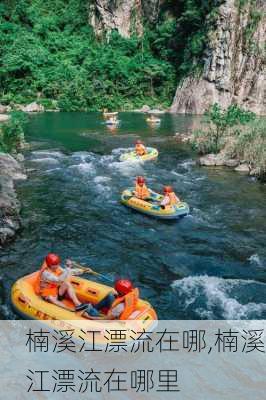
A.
pixel 12 132
pixel 217 125
pixel 250 145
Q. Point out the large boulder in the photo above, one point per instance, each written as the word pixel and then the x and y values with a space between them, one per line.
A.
pixel 4 117
pixel 32 107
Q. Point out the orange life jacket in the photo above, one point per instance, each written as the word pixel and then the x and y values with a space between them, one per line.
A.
pixel 41 284
pixel 142 192
pixel 140 149
pixel 130 302
pixel 173 199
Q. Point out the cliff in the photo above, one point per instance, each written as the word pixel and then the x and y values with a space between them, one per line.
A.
pixel 234 62
pixel 124 16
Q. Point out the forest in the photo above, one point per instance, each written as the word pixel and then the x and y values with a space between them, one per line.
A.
pixel 49 52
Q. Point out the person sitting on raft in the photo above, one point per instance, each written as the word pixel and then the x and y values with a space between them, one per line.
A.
pixel 141 190
pixel 53 285
pixel 140 149
pixel 119 304
pixel 170 198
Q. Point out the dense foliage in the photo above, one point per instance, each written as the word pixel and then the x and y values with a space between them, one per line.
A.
pixel 12 132
pixel 48 51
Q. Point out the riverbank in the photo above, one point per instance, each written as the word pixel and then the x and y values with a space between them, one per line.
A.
pixel 10 171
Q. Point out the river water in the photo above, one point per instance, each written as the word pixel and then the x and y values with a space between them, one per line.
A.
pixel 210 264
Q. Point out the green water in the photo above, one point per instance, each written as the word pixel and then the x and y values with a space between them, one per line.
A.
pixel 210 264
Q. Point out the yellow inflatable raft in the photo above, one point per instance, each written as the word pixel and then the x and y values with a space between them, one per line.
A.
pixel 152 207
pixel 30 306
pixel 152 154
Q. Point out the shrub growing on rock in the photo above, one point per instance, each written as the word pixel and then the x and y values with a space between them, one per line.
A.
pixel 12 132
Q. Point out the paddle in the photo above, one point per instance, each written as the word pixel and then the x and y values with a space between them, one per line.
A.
pixel 88 270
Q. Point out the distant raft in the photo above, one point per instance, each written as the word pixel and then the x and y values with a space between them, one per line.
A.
pixel 152 207
pixel 152 154
pixel 153 120
pixel 110 114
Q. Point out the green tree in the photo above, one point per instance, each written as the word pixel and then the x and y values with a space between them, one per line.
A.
pixel 217 125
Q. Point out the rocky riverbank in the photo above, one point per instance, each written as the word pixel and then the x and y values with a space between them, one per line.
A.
pixel 222 159
pixel 11 170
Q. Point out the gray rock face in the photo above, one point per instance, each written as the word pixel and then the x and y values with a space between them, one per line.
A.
pixel 10 170
pixel 125 16
pixel 234 63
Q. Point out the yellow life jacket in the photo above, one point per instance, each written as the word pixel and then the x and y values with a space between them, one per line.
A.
pixel 130 302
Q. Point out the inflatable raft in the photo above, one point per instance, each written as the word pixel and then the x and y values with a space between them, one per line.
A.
pixel 31 306
pixel 110 114
pixel 153 120
pixel 132 155
pixel 152 207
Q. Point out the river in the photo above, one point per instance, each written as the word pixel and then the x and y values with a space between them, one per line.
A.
pixel 208 265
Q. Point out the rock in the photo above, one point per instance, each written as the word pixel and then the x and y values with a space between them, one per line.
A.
pixel 234 72
pixel 254 172
pixel 232 163
pixel 4 117
pixel 125 16
pixel 19 157
pixel 10 170
pixel 10 167
pixel 4 109
pixel 145 109
pixel 6 234
pixel 32 107
pixel 183 137
pixel 212 160
pixel 243 168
